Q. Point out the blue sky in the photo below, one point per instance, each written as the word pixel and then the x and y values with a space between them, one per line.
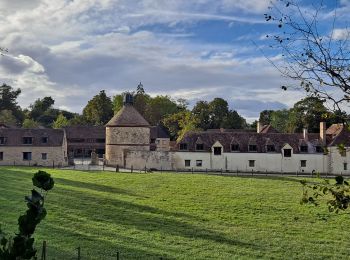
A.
pixel 196 50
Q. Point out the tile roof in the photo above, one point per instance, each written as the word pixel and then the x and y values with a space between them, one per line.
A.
pixel 14 136
pixel 159 132
pixel 128 116
pixel 244 139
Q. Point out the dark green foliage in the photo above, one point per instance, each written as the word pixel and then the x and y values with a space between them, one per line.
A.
pixel 43 180
pixel 8 101
pixel 99 109
pixel 22 245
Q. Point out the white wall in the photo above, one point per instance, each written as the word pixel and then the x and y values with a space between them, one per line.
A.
pixel 270 162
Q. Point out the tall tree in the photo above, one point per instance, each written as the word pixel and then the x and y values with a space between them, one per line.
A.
pixel 160 107
pixel 30 123
pixel 7 117
pixel 60 122
pixel 265 117
pixel 202 113
pixel 8 101
pixel 40 106
pixel 99 109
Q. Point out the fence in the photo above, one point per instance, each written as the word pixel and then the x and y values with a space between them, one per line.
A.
pixel 46 252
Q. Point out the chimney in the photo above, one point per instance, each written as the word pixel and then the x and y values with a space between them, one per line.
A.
pixel 323 132
pixel 259 127
pixel 305 135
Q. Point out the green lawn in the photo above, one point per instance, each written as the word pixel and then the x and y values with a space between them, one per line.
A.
pixel 175 216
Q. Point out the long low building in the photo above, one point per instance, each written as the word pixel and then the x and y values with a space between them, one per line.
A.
pixel 35 147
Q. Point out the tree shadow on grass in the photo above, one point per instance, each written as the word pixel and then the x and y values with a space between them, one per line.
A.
pixel 95 187
pixel 98 247
pixel 144 218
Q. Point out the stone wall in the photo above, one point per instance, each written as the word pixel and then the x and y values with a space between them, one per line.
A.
pixel 56 155
pixel 149 159
pixel 120 139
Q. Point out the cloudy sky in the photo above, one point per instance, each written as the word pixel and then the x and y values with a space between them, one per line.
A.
pixel 193 49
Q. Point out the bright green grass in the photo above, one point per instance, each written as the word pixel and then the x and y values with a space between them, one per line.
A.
pixel 175 216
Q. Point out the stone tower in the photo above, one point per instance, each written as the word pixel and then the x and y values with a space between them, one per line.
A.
pixel 127 130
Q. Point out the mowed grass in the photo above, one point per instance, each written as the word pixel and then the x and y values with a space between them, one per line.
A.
pixel 175 216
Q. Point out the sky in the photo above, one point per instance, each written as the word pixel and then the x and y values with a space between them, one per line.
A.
pixel 197 50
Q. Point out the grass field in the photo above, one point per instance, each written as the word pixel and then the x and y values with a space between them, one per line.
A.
pixel 175 216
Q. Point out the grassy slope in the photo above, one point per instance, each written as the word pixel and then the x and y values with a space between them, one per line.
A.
pixel 175 216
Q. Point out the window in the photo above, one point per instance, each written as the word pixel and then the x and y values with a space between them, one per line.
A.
pixel 217 150
pixel 303 163
pixel 319 149
pixel 287 152
pixel 251 163
pixel 27 140
pixel 199 163
pixel 252 148
pixel 27 156
pixel 183 146
pixel 76 140
pixel 234 147
pixel 44 156
pixel 2 140
pixel 44 140
pixel 1 156
pixel 199 147
pixel 270 148
pixel 303 149
pixel 101 140
pixel 187 163
pixel 152 141
pixel 345 166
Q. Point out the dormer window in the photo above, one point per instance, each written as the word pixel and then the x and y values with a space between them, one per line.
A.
pixel 270 148
pixel 217 150
pixel 287 152
pixel 234 147
pixel 252 148
pixel 319 149
pixel 44 140
pixel 303 149
pixel 183 146
pixel 27 140
pixel 199 147
pixel 2 140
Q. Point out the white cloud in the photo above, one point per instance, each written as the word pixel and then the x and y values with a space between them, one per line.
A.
pixel 73 49
pixel 341 34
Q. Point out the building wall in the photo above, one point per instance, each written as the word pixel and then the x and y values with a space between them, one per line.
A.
pixel 56 155
pixel 163 144
pixel 270 162
pixel 120 139
pixel 149 159
pixel 338 160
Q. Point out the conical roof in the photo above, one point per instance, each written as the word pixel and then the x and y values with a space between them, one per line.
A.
pixel 128 116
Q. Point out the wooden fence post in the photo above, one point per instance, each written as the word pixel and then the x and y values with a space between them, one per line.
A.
pixel 43 252
pixel 78 252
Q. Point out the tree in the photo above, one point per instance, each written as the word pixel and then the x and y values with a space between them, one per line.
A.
pixel 319 61
pixel 233 121
pixel 180 123
pixel 40 106
pixel 30 123
pixel 8 101
pixel 99 109
pixel 218 108
pixel 7 117
pixel 317 58
pixel 158 108
pixel 202 113
pixel 60 122
pixel 265 117
pixel 22 245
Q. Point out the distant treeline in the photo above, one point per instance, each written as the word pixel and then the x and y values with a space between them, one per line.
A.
pixel 174 115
